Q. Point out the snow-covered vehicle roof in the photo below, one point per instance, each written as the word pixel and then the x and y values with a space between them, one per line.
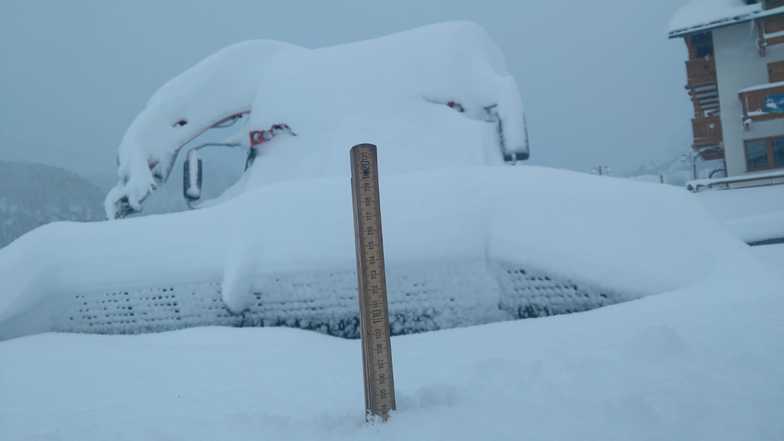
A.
pixel 324 95
pixel 468 238
pixel 702 15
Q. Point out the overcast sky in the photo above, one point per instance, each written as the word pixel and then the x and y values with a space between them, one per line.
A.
pixel 600 81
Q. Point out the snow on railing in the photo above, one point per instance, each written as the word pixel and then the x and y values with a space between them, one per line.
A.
pixel 751 180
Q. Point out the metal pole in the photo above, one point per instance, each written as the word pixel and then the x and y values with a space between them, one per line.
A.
pixel 693 166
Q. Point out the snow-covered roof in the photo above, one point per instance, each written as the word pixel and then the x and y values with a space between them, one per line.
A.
pixel 702 15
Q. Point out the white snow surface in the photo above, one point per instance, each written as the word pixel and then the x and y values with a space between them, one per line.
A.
pixel 700 360
pixel 391 90
pixel 217 87
pixel 596 230
pixel 703 362
pixel 698 14
pixel 446 196
pixel 772 256
pixel 751 214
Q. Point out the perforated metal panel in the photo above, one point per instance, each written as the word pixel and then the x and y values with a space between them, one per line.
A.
pixel 529 294
pixel 423 297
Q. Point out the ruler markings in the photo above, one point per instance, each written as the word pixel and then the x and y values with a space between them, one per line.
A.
pixel 371 275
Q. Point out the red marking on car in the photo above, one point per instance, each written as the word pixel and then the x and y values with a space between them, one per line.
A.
pixel 258 137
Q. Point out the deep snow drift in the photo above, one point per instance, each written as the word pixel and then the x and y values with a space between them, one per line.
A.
pixel 437 97
pixel 632 238
pixel 469 238
pixel 772 256
pixel 751 214
pixel 703 363
pixel 700 360
pixel 392 90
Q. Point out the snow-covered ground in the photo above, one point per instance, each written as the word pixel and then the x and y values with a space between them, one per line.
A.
pixel 772 256
pixel 751 214
pixel 700 363
pixel 697 355
pixel 588 229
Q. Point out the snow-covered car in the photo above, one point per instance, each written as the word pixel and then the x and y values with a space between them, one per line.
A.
pixel 471 236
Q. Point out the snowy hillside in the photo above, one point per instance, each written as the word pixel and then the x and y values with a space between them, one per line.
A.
pixel 34 194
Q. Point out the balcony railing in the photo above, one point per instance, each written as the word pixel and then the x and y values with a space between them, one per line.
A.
pixel 764 102
pixel 707 132
pixel 702 86
pixel 775 177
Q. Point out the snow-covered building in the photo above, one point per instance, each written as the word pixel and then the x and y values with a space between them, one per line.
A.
pixel 735 76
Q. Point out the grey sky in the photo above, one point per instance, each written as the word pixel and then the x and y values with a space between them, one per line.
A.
pixel 600 81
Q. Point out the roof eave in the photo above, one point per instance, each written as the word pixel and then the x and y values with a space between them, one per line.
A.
pixel 729 21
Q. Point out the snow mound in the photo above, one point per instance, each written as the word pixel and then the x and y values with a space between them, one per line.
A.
pixel 219 86
pixel 751 214
pixel 404 81
pixel 701 363
pixel 593 230
pixel 468 238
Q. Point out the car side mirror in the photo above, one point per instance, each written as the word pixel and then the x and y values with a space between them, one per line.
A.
pixel 192 177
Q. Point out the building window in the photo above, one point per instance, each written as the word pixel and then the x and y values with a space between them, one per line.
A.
pixel 764 154
pixel 778 152
pixel 757 155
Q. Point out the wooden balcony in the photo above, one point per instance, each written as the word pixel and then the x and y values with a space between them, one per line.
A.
pixel 705 100
pixel 700 72
pixel 772 31
pixel 707 132
pixel 712 154
pixel 703 86
pixel 708 137
pixel 764 102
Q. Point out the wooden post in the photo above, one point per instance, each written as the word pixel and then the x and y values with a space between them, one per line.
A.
pixel 373 308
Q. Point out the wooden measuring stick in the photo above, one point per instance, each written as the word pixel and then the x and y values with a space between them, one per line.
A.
pixel 373 308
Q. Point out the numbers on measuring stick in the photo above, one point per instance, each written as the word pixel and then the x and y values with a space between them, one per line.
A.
pixel 371 276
